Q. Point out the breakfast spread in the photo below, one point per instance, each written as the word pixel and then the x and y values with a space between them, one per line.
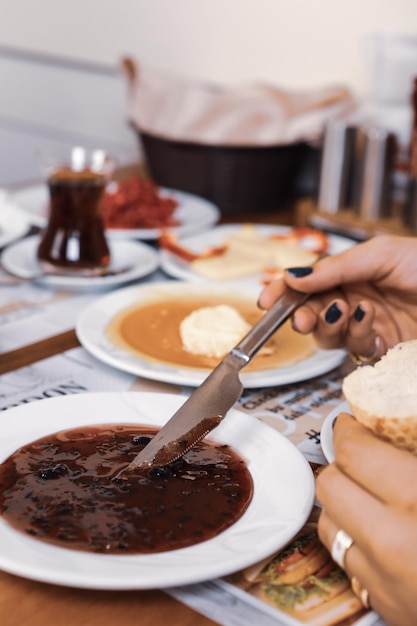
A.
pixel 63 489
pixel 247 251
pixel 382 396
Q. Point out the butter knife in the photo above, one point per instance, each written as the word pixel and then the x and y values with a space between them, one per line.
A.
pixel 210 402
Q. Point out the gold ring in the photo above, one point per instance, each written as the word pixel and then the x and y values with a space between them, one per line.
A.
pixel 341 544
pixel 360 359
pixel 360 592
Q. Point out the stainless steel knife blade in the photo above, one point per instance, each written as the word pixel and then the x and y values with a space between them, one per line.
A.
pixel 211 401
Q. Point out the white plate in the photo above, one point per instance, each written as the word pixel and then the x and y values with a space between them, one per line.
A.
pixel 178 268
pixel 326 433
pixel 194 213
pixel 13 223
pixel 282 499
pixel 92 324
pixel 138 258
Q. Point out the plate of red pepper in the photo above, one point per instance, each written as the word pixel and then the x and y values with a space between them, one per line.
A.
pixel 133 208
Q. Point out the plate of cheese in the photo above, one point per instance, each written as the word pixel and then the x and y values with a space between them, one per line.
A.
pixel 236 252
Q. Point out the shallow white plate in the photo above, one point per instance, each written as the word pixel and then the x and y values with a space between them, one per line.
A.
pixel 13 223
pixel 178 268
pixel 138 258
pixel 92 324
pixel 194 213
pixel 326 433
pixel 282 499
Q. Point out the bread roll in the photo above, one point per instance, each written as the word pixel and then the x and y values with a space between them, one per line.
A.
pixel 383 397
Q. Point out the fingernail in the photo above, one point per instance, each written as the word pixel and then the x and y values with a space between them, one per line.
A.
pixel 333 313
pixel 359 313
pixel 299 272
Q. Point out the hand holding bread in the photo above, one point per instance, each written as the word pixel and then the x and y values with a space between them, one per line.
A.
pixel 377 480
pixel 382 397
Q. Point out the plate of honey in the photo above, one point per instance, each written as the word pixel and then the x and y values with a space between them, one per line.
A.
pixel 137 330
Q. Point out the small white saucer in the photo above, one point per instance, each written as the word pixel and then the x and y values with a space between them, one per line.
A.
pixel 138 258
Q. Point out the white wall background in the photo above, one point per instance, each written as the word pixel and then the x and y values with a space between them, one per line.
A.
pixel 291 43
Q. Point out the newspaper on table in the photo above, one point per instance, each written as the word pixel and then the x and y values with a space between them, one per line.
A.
pixel 30 311
pixel 319 595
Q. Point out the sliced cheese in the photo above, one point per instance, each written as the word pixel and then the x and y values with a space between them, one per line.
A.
pixel 248 252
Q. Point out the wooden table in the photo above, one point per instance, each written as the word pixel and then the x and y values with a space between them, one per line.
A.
pixel 27 603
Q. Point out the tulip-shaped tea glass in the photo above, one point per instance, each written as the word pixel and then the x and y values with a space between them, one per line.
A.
pixel 74 241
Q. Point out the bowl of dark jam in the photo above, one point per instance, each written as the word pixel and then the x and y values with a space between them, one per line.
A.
pixel 233 499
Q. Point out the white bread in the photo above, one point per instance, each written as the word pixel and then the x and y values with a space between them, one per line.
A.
pixel 383 397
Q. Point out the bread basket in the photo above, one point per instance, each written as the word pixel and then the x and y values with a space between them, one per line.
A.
pixel 235 178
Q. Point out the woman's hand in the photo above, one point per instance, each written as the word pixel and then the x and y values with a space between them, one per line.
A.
pixel 371 493
pixel 368 291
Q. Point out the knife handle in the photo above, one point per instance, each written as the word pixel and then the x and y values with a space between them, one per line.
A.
pixel 275 317
pixel 268 324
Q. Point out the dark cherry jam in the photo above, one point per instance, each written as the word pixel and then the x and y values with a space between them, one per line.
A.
pixel 74 238
pixel 62 489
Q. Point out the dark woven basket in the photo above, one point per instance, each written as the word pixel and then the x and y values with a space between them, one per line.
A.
pixel 235 178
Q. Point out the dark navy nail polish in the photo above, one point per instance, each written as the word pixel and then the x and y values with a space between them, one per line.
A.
pixel 359 313
pixel 299 272
pixel 333 313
